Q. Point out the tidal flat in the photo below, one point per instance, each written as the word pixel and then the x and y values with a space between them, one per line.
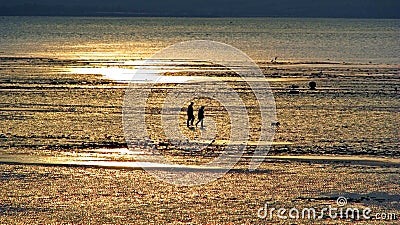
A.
pixel 49 111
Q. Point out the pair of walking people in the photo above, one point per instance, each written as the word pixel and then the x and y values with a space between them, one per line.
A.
pixel 190 114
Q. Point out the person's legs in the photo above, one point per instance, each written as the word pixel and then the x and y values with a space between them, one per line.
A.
pixel 191 120
pixel 200 121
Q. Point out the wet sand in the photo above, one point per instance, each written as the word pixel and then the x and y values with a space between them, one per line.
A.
pixel 47 112
pixel 82 195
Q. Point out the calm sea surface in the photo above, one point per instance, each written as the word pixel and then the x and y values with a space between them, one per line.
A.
pixel 342 40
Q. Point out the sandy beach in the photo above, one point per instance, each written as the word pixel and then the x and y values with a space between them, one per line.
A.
pixel 81 195
pixel 58 165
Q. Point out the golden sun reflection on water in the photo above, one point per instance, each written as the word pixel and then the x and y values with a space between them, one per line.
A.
pixel 135 75
pixel 155 75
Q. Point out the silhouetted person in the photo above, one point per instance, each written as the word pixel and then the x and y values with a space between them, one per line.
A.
pixel 190 115
pixel 312 85
pixel 200 116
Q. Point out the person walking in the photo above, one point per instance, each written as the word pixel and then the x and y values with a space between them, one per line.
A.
pixel 200 116
pixel 190 115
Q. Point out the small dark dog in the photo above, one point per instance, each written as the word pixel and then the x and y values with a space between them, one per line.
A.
pixel 275 124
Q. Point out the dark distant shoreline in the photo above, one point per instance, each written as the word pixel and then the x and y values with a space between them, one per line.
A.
pixel 150 15
pixel 137 15
pixel 207 8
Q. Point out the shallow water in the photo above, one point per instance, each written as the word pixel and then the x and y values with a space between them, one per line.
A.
pixel 63 155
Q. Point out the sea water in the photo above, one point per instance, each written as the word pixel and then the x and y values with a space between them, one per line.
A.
pixel 301 39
